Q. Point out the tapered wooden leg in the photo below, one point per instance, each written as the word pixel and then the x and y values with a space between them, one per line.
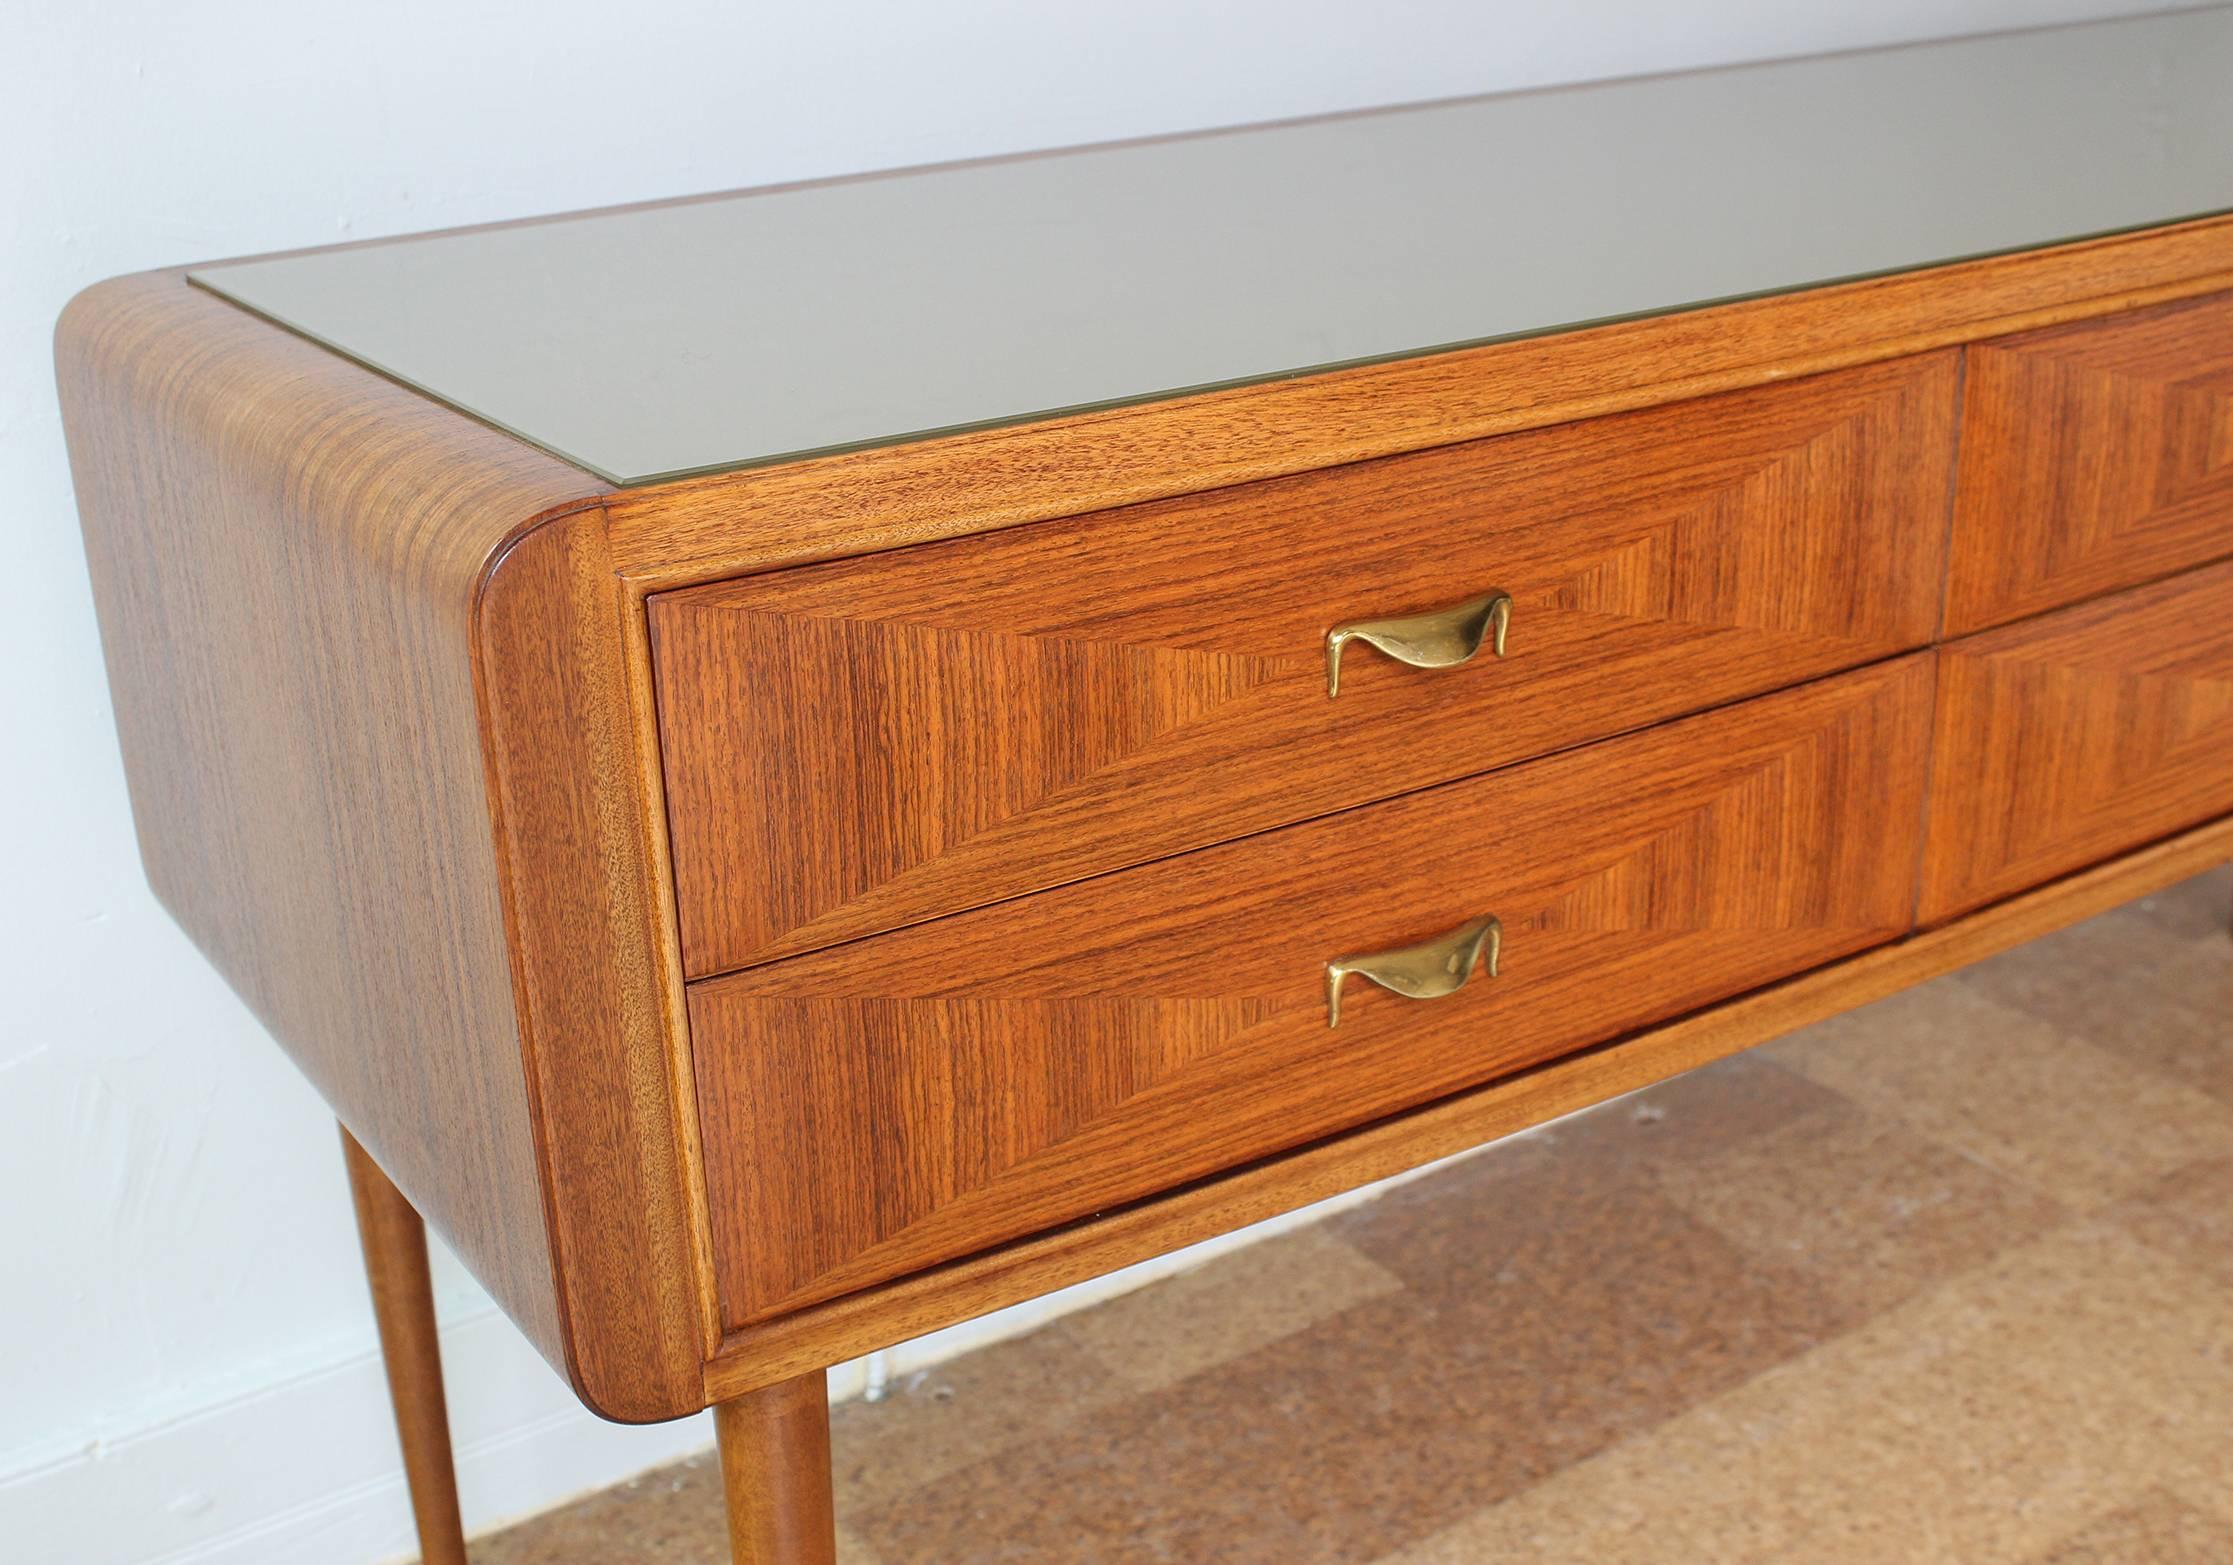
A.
pixel 403 1301
pixel 775 1468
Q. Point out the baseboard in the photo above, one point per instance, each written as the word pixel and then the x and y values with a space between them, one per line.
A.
pixel 306 1469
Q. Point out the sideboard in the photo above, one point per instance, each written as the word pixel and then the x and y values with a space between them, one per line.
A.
pixel 802 766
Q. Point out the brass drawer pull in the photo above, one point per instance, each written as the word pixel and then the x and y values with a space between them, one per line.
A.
pixel 1426 971
pixel 1439 638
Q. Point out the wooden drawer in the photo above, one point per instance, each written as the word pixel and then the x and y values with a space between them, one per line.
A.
pixel 2094 456
pixel 861 745
pixel 2072 737
pixel 875 1108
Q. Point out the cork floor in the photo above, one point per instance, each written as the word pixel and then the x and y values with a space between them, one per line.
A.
pixel 1949 1279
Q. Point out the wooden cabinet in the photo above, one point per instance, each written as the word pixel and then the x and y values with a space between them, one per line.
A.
pixel 891 1103
pixel 855 746
pixel 2070 737
pixel 773 757
pixel 804 957
pixel 2094 456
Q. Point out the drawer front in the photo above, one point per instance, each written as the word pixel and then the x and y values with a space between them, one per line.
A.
pixel 875 1108
pixel 861 745
pixel 2094 456
pixel 2069 738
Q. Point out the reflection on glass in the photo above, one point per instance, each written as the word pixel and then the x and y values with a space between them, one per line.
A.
pixel 642 344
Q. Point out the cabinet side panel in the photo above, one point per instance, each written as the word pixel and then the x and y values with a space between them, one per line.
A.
pixel 283 551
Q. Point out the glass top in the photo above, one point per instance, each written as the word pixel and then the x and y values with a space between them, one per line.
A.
pixel 651 342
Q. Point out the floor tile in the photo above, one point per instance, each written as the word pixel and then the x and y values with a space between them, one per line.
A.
pixel 2187 1215
pixel 2135 983
pixel 960 1413
pixel 2063 1116
pixel 2196 909
pixel 1872 1208
pixel 1703 1111
pixel 675 1516
pixel 1540 1204
pixel 2159 1529
pixel 670 1517
pixel 1402 1413
pixel 1201 1318
pixel 1982 1422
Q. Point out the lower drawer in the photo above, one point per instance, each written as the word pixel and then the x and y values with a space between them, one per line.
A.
pixel 874 1108
pixel 2069 738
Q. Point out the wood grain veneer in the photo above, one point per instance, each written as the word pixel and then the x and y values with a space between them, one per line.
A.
pixel 896 1102
pixel 938 1296
pixel 283 549
pixel 384 685
pixel 2073 736
pixel 315 588
pixel 864 744
pixel 595 968
pixel 2095 455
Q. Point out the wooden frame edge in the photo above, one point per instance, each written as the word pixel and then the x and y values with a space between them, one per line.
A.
pixel 824 1334
pixel 595 966
pixel 665 910
pixel 694 530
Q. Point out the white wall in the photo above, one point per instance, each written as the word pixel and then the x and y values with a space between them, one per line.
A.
pixel 184 1338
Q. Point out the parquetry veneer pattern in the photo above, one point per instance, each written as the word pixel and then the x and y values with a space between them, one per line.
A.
pixel 1023 1065
pixel 2094 456
pixel 859 745
pixel 2079 734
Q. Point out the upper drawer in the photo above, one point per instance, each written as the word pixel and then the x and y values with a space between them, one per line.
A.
pixel 2069 738
pixel 854 746
pixel 2094 456
pixel 874 1109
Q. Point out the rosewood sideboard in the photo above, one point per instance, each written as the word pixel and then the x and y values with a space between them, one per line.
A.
pixel 800 766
